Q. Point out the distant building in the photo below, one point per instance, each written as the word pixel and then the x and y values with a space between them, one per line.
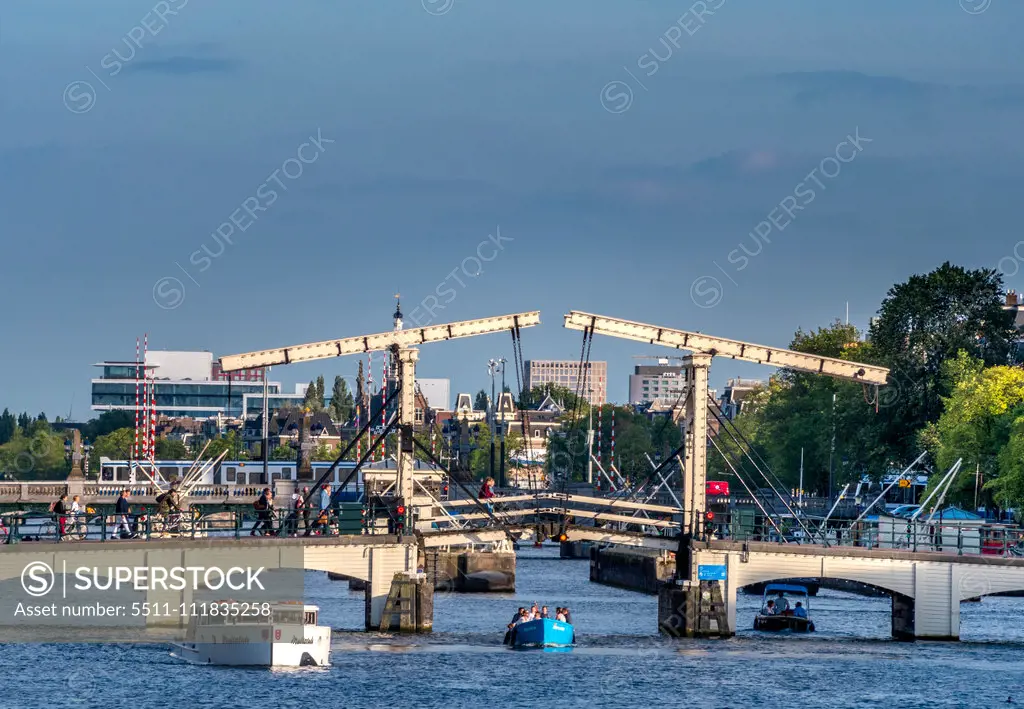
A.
pixel 659 385
pixel 185 384
pixel 283 429
pixel 1015 304
pixel 437 392
pixel 565 373
pixel 736 393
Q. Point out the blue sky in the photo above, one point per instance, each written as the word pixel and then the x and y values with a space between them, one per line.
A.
pixel 453 119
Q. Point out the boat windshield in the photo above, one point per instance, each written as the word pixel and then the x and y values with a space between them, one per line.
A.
pixel 288 616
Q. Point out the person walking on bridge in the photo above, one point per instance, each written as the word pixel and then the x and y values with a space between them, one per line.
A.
pixel 60 508
pixel 325 509
pixel 264 507
pixel 123 509
pixel 306 507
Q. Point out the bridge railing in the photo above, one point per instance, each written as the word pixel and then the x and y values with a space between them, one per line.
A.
pixel 108 492
pixel 189 524
pixel 908 535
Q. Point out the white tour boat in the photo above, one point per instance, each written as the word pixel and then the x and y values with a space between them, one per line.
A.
pixel 288 636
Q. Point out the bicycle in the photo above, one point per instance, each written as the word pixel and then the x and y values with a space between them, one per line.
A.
pixel 75 528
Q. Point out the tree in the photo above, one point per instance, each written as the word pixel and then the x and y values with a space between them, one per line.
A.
pixel 795 414
pixel 8 424
pixel 228 442
pixel 560 394
pixel 116 445
pixel 108 422
pixel 1008 488
pixel 24 420
pixel 323 451
pixel 342 402
pixel 320 392
pixel 37 456
pixel 482 401
pixel 171 449
pixel 924 323
pixel 311 400
pixel 283 452
pixel 981 424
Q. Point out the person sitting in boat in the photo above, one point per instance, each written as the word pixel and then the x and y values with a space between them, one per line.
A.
pixel 544 612
pixel 799 611
pixel 568 614
pixel 559 615
pixel 769 609
pixel 781 604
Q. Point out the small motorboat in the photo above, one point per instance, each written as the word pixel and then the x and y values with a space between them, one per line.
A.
pixel 543 632
pixel 286 636
pixel 786 597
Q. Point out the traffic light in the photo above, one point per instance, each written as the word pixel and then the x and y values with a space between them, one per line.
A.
pixel 709 516
pixel 399 516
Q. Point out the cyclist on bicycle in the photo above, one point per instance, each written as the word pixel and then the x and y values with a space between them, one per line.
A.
pixel 169 506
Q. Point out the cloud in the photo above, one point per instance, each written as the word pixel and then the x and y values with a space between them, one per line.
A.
pixel 819 86
pixel 182 65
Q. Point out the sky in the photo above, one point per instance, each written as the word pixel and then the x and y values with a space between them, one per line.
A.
pixel 735 167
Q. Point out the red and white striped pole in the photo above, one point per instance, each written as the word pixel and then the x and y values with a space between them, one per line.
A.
pixel 138 403
pixel 383 398
pixel 145 398
pixel 152 414
pixel 613 443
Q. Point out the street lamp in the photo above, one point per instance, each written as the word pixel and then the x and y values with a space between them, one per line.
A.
pixel 493 365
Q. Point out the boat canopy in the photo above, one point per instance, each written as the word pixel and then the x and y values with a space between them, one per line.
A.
pixel 785 588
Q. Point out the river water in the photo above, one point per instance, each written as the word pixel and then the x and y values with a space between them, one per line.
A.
pixel 620 661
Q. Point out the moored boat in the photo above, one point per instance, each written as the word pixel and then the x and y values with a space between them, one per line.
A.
pixel 778 595
pixel 286 636
pixel 542 632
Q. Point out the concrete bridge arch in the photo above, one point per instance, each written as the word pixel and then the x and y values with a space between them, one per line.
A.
pixel 926 588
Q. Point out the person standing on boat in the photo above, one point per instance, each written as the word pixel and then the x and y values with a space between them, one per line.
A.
pixel 781 603
pixel 568 615
pixel 123 509
pixel 544 612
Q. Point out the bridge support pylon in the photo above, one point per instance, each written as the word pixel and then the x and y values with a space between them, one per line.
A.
pixel 692 607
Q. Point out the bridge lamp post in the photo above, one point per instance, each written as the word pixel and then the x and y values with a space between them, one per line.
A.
pixel 492 369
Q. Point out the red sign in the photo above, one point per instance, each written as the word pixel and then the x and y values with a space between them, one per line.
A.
pixel 717 488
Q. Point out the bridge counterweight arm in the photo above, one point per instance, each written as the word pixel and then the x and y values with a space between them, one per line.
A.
pixel 378 342
pixel 720 347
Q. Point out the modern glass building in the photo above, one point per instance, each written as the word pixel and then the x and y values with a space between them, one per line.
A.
pixel 191 389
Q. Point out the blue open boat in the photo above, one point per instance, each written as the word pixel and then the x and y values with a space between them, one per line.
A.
pixel 543 632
